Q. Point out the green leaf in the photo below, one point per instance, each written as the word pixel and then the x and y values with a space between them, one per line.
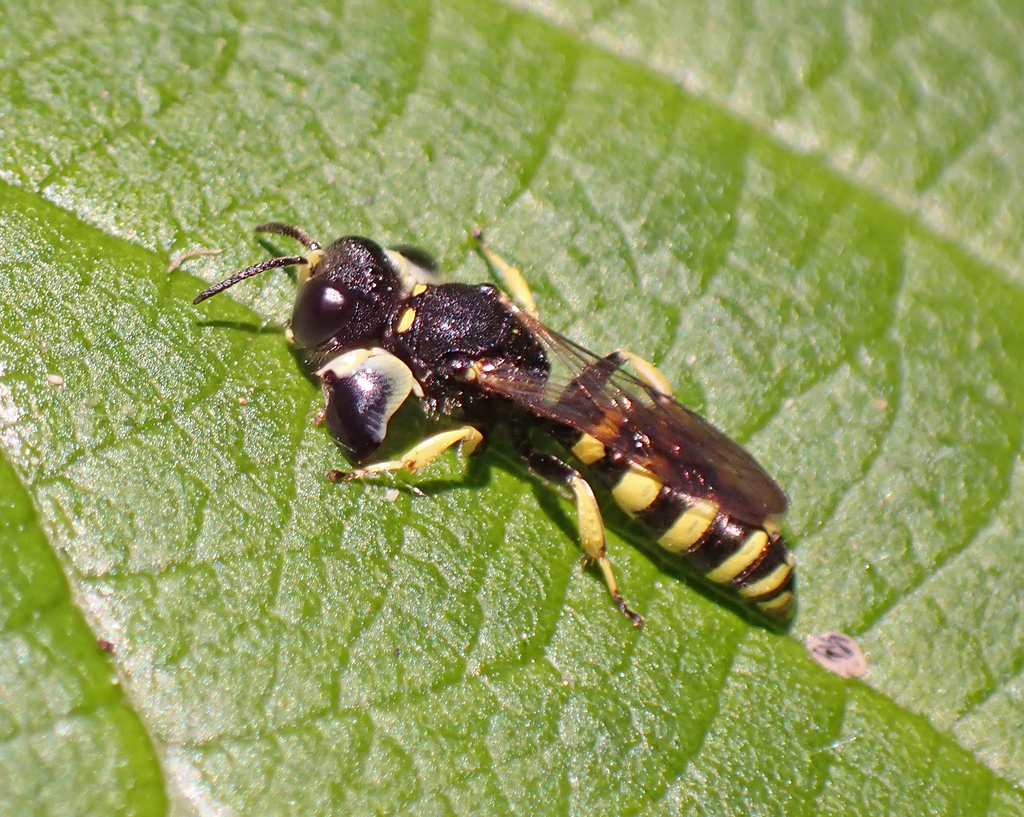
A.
pixel 806 215
pixel 71 743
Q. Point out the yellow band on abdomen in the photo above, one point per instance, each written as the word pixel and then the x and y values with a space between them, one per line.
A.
pixel 637 489
pixel 752 547
pixel 689 527
pixel 589 449
pixel 770 583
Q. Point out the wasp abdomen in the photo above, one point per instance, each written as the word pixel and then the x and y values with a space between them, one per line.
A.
pixel 751 560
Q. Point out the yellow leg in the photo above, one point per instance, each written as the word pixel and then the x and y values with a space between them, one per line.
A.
pixel 648 373
pixel 510 276
pixel 517 287
pixel 419 455
pixel 591 526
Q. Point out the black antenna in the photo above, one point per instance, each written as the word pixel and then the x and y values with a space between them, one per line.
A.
pixel 263 266
pixel 289 230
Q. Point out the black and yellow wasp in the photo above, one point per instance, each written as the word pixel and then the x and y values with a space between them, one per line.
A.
pixel 375 327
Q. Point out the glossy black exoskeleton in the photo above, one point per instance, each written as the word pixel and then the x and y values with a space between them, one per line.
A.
pixel 376 328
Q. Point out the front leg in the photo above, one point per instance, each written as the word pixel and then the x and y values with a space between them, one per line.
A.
pixel 510 275
pixel 420 455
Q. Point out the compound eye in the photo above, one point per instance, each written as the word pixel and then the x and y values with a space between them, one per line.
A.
pixel 321 312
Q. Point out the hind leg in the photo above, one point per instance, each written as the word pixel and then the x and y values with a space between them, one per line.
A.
pixel 588 514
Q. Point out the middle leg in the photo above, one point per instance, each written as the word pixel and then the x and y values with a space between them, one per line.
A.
pixel 515 283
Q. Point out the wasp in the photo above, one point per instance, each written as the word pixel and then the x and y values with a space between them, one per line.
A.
pixel 376 327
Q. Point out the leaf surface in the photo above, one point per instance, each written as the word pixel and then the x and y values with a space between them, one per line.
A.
pixel 806 216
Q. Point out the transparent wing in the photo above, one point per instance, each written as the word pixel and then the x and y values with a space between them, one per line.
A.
pixel 594 395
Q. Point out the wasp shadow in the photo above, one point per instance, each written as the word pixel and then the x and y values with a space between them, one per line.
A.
pixel 244 327
pixel 549 498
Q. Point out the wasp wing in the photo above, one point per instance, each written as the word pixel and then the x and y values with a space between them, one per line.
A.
pixel 592 394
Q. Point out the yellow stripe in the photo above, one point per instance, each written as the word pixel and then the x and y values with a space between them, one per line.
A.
pixel 419 289
pixel 589 449
pixel 770 583
pixel 749 551
pixel 406 321
pixel 637 489
pixel 778 606
pixel 689 527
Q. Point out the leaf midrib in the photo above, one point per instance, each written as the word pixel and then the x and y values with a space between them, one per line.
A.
pixel 757 125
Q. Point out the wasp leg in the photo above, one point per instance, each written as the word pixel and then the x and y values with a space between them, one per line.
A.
pixel 588 514
pixel 510 276
pixel 601 371
pixel 594 377
pixel 420 455
pixel 648 373
pixel 516 284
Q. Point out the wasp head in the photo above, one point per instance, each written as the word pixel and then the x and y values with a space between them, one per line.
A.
pixel 345 297
pixel 346 291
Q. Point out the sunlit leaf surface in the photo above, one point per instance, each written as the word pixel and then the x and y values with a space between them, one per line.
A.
pixel 807 214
